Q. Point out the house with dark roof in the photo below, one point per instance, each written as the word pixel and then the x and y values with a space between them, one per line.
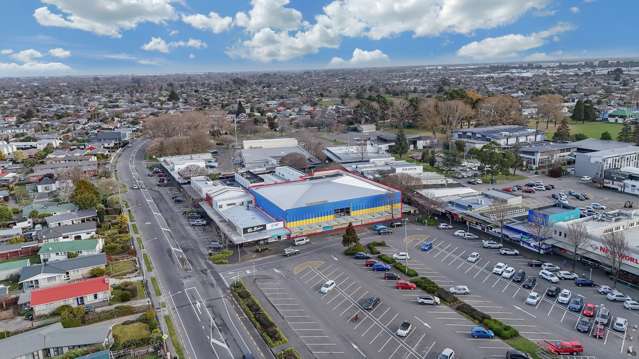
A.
pixel 59 251
pixel 71 232
pixel 46 184
pixel 93 291
pixel 10 268
pixel 69 218
pixel 60 272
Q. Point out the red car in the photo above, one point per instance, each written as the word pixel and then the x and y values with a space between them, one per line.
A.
pixel 589 310
pixel 507 189
pixel 561 348
pixel 528 190
pixel 402 284
pixel 370 262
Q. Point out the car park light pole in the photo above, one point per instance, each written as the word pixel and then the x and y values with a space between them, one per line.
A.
pixel 406 245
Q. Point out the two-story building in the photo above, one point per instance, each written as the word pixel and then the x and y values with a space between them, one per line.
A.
pixel 505 136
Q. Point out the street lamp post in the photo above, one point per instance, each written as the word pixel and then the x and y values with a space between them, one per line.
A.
pixel 406 245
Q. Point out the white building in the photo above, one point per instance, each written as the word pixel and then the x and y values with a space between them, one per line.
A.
pixel 594 164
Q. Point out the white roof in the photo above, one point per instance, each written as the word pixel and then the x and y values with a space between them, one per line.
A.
pixel 435 193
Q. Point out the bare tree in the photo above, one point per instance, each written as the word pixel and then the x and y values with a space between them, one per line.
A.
pixel 577 236
pixel 616 249
pixel 429 118
pixel 499 212
pixel 549 108
pixel 453 113
pixel 539 228
pixel 499 110
pixel 295 160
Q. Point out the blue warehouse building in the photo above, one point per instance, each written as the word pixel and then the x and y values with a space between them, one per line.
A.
pixel 326 201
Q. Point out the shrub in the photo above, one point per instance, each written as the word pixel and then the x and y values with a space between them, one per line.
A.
pixel 404 269
pixel 500 329
pixel 446 296
pixel 354 249
pixel 221 257
pixel 372 249
pixel 473 313
pixel 426 284
pixel 260 319
pixel 97 272
pixel 386 259
pixel 122 310
pixel 378 243
pixel 72 317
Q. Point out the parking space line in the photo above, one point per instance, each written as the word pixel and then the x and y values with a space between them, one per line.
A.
pixel 360 323
pixel 487 276
pixel 395 351
pixel 378 334
pixel 456 257
pixel 390 321
pixel 389 339
pixel 419 341
pixel 347 308
pixel 428 351
pixel 442 250
pixel 481 270
pixel 497 281
pixel 373 324
pixel 361 296
pixel 386 311
pixel 448 254
pixel 339 304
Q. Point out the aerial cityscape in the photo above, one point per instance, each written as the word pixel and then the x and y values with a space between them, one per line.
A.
pixel 392 179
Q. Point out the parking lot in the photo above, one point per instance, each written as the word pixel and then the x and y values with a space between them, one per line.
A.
pixel 504 299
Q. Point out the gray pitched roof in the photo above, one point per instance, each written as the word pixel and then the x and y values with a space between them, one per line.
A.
pixel 82 214
pixel 60 231
pixel 61 267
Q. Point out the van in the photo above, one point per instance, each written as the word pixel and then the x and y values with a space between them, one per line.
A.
pixel 301 241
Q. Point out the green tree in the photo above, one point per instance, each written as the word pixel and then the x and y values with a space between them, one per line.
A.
pixel 72 317
pixel 6 215
pixel 563 131
pixel 578 111
pixel 590 114
pixel 401 144
pixel 580 136
pixel 85 195
pixel 605 136
pixel 625 135
pixel 173 96
pixel 350 237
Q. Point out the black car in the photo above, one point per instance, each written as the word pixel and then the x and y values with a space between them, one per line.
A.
pixel 396 224
pixel 391 276
pixel 535 263
pixel 361 255
pixel 553 291
pixel 214 246
pixel 530 283
pixel 584 282
pixel 519 276
pixel 370 303
pixel 513 354
pixel 549 186
pixel 584 325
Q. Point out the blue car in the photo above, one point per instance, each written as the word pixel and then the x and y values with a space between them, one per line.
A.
pixel 379 227
pixel 481 332
pixel 380 267
pixel 361 255
pixel 426 246
pixel 584 282
pixel 576 304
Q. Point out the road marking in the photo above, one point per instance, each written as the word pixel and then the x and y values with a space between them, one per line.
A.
pixel 358 350
pixel 481 270
pixel 334 258
pixel 422 321
pixel 429 349
pixel 389 339
pixel 390 321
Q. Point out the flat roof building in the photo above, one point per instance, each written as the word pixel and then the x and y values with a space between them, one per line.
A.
pixel 504 135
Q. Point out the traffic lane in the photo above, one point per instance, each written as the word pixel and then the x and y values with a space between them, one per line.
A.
pixel 405 303
pixel 511 309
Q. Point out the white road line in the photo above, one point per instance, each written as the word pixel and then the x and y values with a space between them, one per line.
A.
pixel 429 349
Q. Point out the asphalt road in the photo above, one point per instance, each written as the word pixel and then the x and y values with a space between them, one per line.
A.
pixel 205 318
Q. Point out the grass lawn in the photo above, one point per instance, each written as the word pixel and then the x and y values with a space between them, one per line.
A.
pixel 121 268
pixel 524 345
pixel 147 262
pixel 156 287
pixel 141 292
pixel 140 244
pixel 135 228
pixel 503 178
pixel 590 129
pixel 174 338
pixel 123 333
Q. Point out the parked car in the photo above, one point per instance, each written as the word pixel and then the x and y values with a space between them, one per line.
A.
pixel 396 224
pixel 603 316
pixel 553 291
pixel 598 206
pixel 391 276
pixel 370 262
pixel 549 276
pixel 197 222
pixel 550 267
pixel 535 263
pixel 475 181
pixel 584 282
pixel 469 235
pixel 385 231
pixel 447 353
pixel 481 332
pixel 370 303
pixel 519 276
pixel 507 189
pixel 604 289
pixel 539 188
pixel 631 304
pixel 378 226
pixel 299 241
pixel 444 226
pixel 620 324
pixel 491 244
pixel 404 329
pixel 426 246
pixel 459 233
pixel 508 273
pixel 499 268
pixel 361 255
pixel 327 286
pixel 459 289
pixel 428 299
pixel 380 267
pixel 530 283
pixel 513 354
pixel 584 325
pixel 473 257
pixel 562 348
pixel 214 246
pixel 508 252
pixel 576 304
pixel 533 298
pixel 564 274
pixel 617 296
pixel 564 296
pixel 290 251
pixel 528 190
pixel 401 256
pixel 402 284
pixel 589 310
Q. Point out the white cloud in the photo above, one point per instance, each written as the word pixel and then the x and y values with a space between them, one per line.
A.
pixel 510 45
pixel 33 68
pixel 362 58
pixel 148 62
pixel 107 18
pixel 211 22
pixel 574 9
pixel 6 52
pixel 158 44
pixel 281 34
pixel 173 32
pixel 60 53
pixel 26 56
pixel 269 14
pixel 191 56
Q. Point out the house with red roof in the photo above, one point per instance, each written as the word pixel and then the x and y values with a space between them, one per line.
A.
pixel 94 291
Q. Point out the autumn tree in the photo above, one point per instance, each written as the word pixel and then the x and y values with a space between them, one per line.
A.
pixel 563 131
pixel 452 113
pixel 295 160
pixel 549 108
pixel 617 248
pixel 499 110
pixel 428 115
pixel 577 237
pixel 350 238
pixel 85 195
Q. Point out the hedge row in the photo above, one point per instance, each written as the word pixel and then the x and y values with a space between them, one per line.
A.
pixel 431 287
pixel 386 259
pixel 354 249
pixel 500 329
pixel 372 249
pixel 406 270
pixel 258 316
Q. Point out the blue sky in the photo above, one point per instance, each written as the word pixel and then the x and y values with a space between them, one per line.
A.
pixel 51 37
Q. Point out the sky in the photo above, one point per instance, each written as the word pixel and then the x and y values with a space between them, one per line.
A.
pixel 80 37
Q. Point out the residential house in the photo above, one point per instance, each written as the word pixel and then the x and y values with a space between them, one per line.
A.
pixel 93 291
pixel 71 232
pixel 87 168
pixel 9 251
pixel 54 340
pixel 68 218
pixel 10 268
pixel 48 207
pixel 7 234
pixel 58 251
pixel 46 185
pixel 56 273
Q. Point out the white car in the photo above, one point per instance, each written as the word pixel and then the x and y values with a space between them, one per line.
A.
pixel 550 267
pixel 533 298
pixel 401 256
pixel 631 304
pixel 508 272
pixel 564 274
pixel 404 329
pixel 428 300
pixel 549 276
pixel 469 235
pixel 617 296
pixel 446 354
pixel 499 268
pixel 473 257
pixel 444 226
pixel 585 179
pixel 539 188
pixel 620 324
pixel 596 205
pixel 508 252
pixel 564 296
pixel 491 244
pixel 604 289
pixel 328 286
pixel 459 233
pixel 459 289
